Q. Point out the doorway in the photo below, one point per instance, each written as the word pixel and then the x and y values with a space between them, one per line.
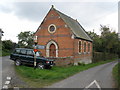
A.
pixel 52 50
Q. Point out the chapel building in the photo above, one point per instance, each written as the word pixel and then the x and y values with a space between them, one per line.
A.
pixel 64 37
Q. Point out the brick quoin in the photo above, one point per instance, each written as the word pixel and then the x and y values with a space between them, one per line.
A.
pixel 63 38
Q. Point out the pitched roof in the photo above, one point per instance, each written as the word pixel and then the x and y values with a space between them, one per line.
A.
pixel 74 25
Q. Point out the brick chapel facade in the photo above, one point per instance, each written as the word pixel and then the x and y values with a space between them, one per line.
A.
pixel 63 37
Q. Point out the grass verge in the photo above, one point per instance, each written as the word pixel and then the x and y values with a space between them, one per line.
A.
pixel 40 78
pixel 116 75
pixel 4 53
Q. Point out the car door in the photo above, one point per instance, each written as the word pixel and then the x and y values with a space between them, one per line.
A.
pixel 15 54
pixel 23 55
pixel 30 57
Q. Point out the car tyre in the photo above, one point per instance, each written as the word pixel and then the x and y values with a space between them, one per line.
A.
pixel 40 66
pixel 17 62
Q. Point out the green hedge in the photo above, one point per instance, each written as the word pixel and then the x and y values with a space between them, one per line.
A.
pixel 100 56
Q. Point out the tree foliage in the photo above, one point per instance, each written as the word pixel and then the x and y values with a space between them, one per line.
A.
pixel 7 44
pixel 107 42
pixel 25 39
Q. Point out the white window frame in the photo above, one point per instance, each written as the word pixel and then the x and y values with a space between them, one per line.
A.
pixel 84 47
pixel 48 48
pixel 49 28
pixel 89 47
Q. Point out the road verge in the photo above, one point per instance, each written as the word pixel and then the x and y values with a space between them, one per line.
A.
pixel 116 74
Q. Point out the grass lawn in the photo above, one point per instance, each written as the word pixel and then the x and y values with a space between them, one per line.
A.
pixel 116 75
pixel 40 78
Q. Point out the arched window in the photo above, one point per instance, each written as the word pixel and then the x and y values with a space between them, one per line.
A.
pixel 84 46
pixel 88 47
pixel 79 46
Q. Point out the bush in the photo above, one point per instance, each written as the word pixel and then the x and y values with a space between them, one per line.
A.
pixel 101 56
pixel 81 63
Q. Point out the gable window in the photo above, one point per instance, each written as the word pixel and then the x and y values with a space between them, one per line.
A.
pixel 52 28
pixel 84 46
pixel 88 47
pixel 79 46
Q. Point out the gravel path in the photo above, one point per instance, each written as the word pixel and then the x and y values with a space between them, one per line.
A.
pixel 9 71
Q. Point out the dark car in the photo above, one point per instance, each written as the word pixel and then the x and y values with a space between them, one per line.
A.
pixel 26 56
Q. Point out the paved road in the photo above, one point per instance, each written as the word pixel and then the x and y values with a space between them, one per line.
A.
pixel 98 77
pixel 8 71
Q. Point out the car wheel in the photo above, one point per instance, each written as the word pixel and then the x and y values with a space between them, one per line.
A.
pixel 40 66
pixel 17 62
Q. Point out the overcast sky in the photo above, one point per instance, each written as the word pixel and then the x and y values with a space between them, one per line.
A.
pixel 16 17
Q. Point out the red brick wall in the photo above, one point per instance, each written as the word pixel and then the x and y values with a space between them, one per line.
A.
pixel 62 35
pixel 83 56
pixel 66 45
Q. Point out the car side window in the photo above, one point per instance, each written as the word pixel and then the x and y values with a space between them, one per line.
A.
pixel 17 51
pixel 30 53
pixel 23 51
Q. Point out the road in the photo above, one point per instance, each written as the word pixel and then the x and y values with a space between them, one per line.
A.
pixel 8 71
pixel 96 77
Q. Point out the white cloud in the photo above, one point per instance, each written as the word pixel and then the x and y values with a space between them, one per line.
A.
pixel 12 26
pixel 110 20
pixel 15 18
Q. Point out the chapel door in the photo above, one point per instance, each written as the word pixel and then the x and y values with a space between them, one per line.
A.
pixel 52 50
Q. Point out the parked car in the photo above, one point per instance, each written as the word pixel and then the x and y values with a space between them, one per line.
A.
pixel 26 56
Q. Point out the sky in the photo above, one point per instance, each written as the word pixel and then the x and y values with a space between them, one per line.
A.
pixel 23 15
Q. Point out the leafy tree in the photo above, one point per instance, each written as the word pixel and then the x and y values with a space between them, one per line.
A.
pixel 7 44
pixel 110 41
pixel 96 41
pixel 107 42
pixel 25 39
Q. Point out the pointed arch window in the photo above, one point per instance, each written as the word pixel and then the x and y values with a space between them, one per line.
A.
pixel 79 47
pixel 88 47
pixel 84 46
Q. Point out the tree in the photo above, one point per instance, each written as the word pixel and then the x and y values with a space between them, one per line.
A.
pixel 107 42
pixel 8 45
pixel 110 41
pixel 96 41
pixel 25 39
